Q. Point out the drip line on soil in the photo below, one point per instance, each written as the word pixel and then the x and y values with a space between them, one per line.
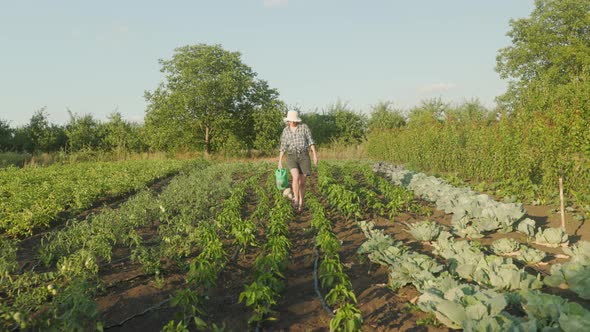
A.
pixel 157 306
pixel 236 253
pixel 315 278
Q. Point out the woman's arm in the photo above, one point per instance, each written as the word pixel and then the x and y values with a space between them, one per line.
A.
pixel 315 155
pixel 282 148
pixel 281 159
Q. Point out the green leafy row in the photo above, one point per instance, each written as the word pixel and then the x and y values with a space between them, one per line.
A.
pixel 262 293
pixel 34 197
pixel 331 272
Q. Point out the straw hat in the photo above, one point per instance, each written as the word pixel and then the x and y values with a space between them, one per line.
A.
pixel 292 116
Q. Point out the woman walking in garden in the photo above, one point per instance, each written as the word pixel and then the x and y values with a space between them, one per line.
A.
pixel 296 141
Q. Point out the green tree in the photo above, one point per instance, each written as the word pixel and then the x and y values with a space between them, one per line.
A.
pixel 322 126
pixel 430 111
pixel 554 42
pixel 268 122
pixel 208 93
pixel 351 126
pixel 21 139
pixel 472 111
pixel 42 136
pixel 121 135
pixel 83 132
pixel 6 138
pixel 385 117
pixel 168 126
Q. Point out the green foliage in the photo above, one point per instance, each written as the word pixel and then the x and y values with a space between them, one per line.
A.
pixel 74 309
pixel 337 124
pixel 210 96
pixel 521 155
pixel 121 135
pixel 464 306
pixel 17 159
pixel 553 312
pixel 384 117
pixel 573 273
pixel 268 123
pixel 554 42
pixel 425 230
pixel 172 327
pixel 37 196
pixel 322 126
pixel 7 255
pixel 37 136
pixel 505 246
pixel 84 132
pixel 5 135
pixel 348 318
pixel 430 112
pixel 350 125
pixel 552 237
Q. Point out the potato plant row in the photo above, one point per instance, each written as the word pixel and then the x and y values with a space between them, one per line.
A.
pixel 31 199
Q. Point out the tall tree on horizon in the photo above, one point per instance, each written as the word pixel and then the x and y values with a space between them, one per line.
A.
pixel 208 92
pixel 553 44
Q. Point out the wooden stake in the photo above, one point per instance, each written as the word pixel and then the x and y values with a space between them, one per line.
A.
pixel 561 203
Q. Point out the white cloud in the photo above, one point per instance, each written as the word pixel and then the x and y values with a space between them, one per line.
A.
pixel 437 87
pixel 275 3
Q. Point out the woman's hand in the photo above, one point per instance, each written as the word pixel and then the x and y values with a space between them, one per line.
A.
pixel 315 159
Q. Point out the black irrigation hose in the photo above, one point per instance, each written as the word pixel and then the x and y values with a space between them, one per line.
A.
pixel 35 266
pixel 157 306
pixel 236 253
pixel 315 278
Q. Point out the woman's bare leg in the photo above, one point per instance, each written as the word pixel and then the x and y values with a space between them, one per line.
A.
pixel 295 177
pixel 302 178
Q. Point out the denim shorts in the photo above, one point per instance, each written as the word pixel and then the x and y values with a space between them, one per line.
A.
pixel 299 160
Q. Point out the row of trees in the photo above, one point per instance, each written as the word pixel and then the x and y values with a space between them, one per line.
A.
pixel 80 133
pixel 336 124
pixel 209 101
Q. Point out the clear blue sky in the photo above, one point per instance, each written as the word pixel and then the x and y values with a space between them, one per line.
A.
pixel 100 56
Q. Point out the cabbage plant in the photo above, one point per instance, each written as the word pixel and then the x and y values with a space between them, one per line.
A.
pixel 574 273
pixel 551 237
pixel 553 313
pixel 530 255
pixel 467 306
pixel 425 230
pixel 505 246
pixel 501 273
pixel 526 226
pixel 484 213
pixel 413 268
pixel 579 253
